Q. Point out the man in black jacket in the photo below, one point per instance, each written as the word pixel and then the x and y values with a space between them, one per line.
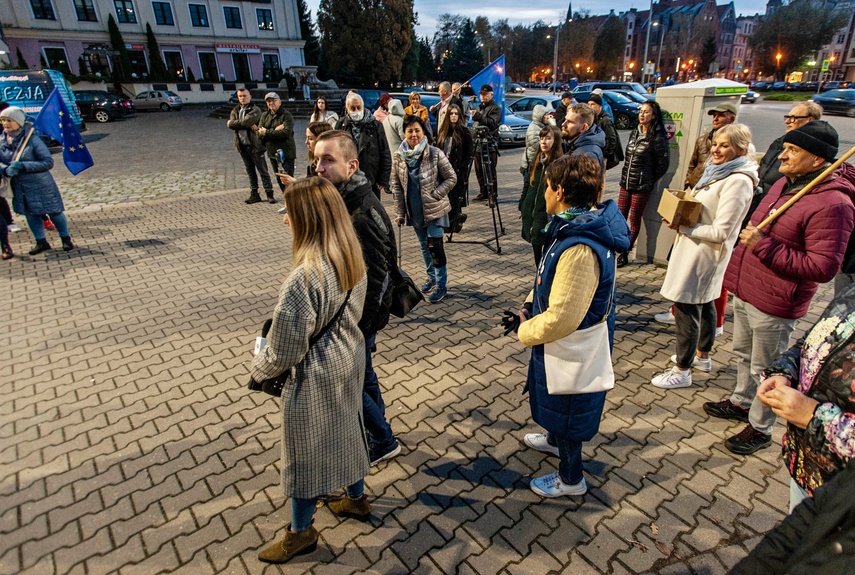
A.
pixel 368 134
pixel 612 152
pixel 243 120
pixel 276 131
pixel 488 115
pixel 338 163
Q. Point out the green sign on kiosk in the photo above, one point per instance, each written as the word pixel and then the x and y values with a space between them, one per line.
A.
pixel 826 64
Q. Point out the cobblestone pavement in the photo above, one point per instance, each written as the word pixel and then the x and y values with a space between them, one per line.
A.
pixel 129 443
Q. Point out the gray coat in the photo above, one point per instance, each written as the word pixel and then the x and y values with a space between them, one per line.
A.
pixel 437 179
pixel 323 439
pixel 34 191
pixel 250 119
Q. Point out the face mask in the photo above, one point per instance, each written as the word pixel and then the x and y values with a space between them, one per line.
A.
pixel 357 116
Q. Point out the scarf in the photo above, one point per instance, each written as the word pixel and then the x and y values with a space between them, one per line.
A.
pixel 412 155
pixel 715 172
pixel 571 214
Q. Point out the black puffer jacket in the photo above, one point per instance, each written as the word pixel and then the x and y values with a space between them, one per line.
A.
pixel 375 161
pixel 646 160
pixel 377 238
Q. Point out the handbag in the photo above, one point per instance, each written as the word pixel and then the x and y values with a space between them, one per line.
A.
pixel 405 294
pixel 580 362
pixel 273 385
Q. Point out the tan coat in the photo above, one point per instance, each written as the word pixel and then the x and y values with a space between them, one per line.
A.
pixel 437 178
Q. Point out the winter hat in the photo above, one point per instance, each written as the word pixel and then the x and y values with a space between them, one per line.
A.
pixel 14 113
pixel 596 98
pixel 486 89
pixel 817 137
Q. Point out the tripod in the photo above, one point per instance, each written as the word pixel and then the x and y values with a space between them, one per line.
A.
pixel 482 148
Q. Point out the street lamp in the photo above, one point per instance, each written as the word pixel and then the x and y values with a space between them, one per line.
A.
pixel 555 55
pixel 647 41
pixel 778 66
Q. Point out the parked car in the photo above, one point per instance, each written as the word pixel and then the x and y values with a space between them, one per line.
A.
pixel 512 130
pixel 634 86
pixel 99 105
pixel 516 89
pixel 826 86
pixel 427 98
pixel 128 104
pixel 749 97
pixel 163 100
pixel 413 89
pixel 524 107
pixel 809 87
pixel 624 109
pixel 778 86
pixel 793 87
pixel 837 102
pixel 762 86
pixel 632 95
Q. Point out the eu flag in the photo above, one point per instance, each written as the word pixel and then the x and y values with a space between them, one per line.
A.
pixel 55 121
pixel 494 74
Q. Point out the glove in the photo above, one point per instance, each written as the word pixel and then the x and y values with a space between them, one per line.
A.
pixel 510 321
pixel 14 169
pixel 522 170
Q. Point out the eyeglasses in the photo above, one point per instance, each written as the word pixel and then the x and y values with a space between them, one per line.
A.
pixel 789 119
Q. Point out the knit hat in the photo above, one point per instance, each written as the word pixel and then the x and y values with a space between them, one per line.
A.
pixel 596 98
pixel 14 113
pixel 817 137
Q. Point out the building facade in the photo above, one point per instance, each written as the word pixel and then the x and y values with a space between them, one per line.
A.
pixel 211 40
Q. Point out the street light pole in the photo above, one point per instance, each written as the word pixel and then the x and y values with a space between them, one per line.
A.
pixel 659 53
pixel 555 59
pixel 647 43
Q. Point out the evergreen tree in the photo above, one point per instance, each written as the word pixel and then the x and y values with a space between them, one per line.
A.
pixel 312 49
pixel 22 64
pixel 466 58
pixel 158 70
pixel 609 47
pixel 121 68
pixel 427 67
pixel 410 65
pixel 707 57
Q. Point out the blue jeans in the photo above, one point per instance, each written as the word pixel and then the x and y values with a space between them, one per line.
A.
pixel 303 510
pixel 373 408
pixel 37 225
pixel 438 275
pixel 570 463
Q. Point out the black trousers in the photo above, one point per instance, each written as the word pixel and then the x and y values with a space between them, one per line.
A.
pixel 253 161
pixel 695 325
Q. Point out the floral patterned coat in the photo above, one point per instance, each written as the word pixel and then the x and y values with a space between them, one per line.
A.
pixel 822 366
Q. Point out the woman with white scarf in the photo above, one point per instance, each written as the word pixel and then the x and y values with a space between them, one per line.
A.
pixel 701 253
pixel 421 178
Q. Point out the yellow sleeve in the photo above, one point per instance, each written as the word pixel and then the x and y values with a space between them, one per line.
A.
pixel 576 278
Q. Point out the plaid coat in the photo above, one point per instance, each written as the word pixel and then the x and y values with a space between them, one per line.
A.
pixel 323 439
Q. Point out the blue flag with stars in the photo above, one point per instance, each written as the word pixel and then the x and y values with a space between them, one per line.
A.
pixel 494 74
pixel 55 121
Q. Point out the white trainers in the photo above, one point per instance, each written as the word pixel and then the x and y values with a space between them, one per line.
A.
pixel 13 228
pixel 552 486
pixel 665 317
pixel 538 441
pixel 673 378
pixel 719 331
pixel 697 363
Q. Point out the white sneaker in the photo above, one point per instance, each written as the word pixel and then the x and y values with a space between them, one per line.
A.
pixel 719 331
pixel 673 378
pixel 552 486
pixel 13 228
pixel 665 317
pixel 697 363
pixel 538 441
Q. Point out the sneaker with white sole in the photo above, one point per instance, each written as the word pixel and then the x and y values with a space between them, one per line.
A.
pixel 719 331
pixel 13 228
pixel 697 363
pixel 665 317
pixel 540 442
pixel 552 486
pixel 673 378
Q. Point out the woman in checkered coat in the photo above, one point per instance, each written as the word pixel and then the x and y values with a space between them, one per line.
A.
pixel 323 439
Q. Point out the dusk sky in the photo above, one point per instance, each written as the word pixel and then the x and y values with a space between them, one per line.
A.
pixel 429 10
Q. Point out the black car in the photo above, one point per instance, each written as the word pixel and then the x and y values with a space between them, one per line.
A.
pixel 837 102
pixel 624 109
pixel 99 105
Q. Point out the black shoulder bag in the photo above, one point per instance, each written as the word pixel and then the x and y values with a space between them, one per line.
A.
pixel 273 386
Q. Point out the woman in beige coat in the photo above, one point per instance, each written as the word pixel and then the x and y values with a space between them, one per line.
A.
pixel 701 253
pixel 421 178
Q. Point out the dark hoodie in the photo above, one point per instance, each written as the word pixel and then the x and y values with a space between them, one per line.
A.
pixel 591 143
pixel 375 161
pixel 803 248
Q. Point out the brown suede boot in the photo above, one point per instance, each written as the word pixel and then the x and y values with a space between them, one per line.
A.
pixel 294 544
pixel 354 508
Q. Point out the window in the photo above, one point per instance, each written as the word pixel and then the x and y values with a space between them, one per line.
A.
pixel 42 10
pixel 208 65
pixel 232 16
pixel 241 66
pixel 265 18
pixel 139 67
pixel 199 15
pixel 271 66
pixel 174 64
pixel 56 59
pixel 85 11
pixel 125 12
pixel 163 13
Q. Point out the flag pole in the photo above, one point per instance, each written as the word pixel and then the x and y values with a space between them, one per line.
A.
pixel 817 180
pixel 24 145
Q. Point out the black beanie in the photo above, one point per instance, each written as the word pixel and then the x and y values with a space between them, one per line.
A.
pixel 596 98
pixel 817 137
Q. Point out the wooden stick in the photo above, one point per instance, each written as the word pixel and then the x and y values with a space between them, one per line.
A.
pixel 817 180
pixel 24 145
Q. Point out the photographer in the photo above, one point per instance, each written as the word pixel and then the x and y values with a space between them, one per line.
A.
pixel 489 116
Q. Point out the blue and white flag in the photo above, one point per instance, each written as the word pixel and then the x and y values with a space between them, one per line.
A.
pixel 55 121
pixel 494 74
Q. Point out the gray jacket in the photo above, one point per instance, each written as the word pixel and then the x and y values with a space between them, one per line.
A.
pixel 437 179
pixel 532 136
pixel 251 118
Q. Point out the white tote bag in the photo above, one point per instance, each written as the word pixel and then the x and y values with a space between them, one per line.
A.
pixel 580 362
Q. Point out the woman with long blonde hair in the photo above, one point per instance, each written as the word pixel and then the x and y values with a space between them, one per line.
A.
pixel 316 338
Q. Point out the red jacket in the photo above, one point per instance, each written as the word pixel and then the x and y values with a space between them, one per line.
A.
pixel 802 248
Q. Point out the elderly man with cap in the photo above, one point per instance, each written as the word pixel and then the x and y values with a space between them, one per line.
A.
pixel 276 131
pixel 722 115
pixel 243 120
pixel 774 272
pixel 488 115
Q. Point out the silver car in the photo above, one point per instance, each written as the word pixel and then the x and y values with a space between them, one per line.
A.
pixel 158 100
pixel 525 106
